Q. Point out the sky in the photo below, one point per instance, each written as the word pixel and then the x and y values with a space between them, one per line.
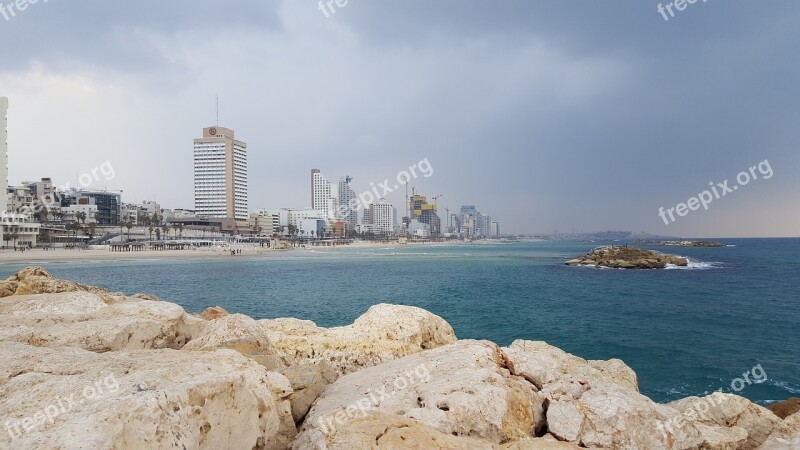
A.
pixel 546 115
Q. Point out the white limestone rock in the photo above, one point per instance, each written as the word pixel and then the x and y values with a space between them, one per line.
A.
pixel 384 333
pixel 462 389
pixel 69 398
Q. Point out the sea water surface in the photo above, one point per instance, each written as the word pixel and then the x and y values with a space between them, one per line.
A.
pixel 684 331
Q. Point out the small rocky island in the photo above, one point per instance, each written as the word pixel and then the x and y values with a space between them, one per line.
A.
pixel 624 257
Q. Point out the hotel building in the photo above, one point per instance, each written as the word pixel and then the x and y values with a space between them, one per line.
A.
pixel 220 175
pixel 324 195
pixel 381 217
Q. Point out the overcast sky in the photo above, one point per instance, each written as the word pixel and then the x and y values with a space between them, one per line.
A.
pixel 567 115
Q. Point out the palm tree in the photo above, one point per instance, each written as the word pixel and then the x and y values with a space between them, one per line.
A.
pixel 129 225
pixel 74 227
pixel 165 229
pixel 91 228
pixel 15 236
pixel 6 236
pixel 180 230
pixel 150 229
pixel 81 216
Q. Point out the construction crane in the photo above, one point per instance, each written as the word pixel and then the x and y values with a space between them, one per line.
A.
pixel 434 201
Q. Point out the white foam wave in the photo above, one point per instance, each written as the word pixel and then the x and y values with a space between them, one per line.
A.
pixel 695 265
pixel 794 389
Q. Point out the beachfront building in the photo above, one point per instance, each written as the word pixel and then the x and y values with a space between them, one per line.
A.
pixel 38 199
pixel 179 213
pixel 324 195
pixel 425 212
pixel 419 230
pixel 485 225
pixel 4 150
pixel 381 217
pixel 220 175
pixel 15 229
pixel 347 201
pixel 140 214
pixel 472 224
pixel 495 228
pixel 80 214
pixel 108 203
pixel 18 230
pixel 264 223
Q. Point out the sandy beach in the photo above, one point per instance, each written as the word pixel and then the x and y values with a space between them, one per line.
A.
pixel 9 256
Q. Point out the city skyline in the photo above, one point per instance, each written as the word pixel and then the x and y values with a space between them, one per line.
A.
pixel 556 132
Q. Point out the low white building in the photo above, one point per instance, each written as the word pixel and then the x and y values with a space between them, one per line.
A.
pixel 268 223
pixel 70 213
pixel 419 229
pixel 18 230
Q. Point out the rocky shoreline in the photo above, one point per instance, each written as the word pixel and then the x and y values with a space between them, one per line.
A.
pixel 624 257
pixel 87 368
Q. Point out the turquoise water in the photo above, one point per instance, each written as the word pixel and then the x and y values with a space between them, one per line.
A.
pixel 684 331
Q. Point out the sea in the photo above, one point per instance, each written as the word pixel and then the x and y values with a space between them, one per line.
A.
pixel 729 322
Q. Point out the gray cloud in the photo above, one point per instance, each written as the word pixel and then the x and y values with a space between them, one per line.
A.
pixel 548 115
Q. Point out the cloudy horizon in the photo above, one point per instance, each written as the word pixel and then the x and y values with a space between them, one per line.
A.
pixel 543 115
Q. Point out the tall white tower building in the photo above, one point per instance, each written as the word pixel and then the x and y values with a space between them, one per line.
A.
pixel 324 195
pixel 347 198
pixel 22 226
pixel 4 152
pixel 220 175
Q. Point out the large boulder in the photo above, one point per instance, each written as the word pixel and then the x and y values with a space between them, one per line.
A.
pixel 542 364
pixel 84 320
pixel 35 280
pixel 785 408
pixel 462 389
pixel 69 398
pixel 384 333
pixel 241 333
pixel 608 416
pixel 730 411
pixel 786 436
pixel 308 380
pixel 597 404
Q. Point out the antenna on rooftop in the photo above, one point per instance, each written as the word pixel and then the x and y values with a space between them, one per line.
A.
pixel 217 110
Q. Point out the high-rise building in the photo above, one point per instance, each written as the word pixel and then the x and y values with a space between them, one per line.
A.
pixel 485 225
pixel 4 151
pixel 19 228
pixel 324 195
pixel 220 175
pixel 425 212
pixel 381 216
pixel 347 199
pixel 495 228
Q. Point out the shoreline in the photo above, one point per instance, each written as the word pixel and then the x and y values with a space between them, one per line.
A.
pixel 38 255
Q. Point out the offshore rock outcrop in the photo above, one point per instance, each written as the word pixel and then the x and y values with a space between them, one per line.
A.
pixel 624 257
pixel 83 371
